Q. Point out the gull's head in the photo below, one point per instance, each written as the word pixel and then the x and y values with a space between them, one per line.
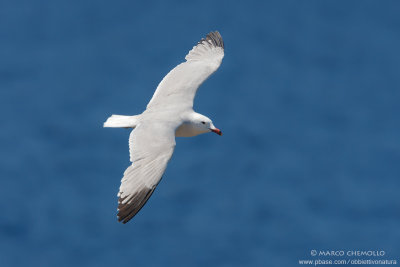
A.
pixel 195 124
pixel 204 124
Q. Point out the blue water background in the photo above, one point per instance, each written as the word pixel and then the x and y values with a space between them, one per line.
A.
pixel 307 97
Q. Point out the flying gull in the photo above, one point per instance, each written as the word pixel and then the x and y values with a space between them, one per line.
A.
pixel 169 114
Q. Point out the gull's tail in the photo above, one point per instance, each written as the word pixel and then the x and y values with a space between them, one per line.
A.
pixel 121 121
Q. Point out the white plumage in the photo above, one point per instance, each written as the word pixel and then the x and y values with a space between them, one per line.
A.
pixel 168 114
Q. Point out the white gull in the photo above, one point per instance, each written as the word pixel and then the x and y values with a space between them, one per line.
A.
pixel 169 114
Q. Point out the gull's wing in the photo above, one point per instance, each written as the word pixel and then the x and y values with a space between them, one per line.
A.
pixel 179 87
pixel 151 146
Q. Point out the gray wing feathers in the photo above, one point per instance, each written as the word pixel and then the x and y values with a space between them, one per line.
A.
pixel 215 38
pixel 210 48
pixel 126 211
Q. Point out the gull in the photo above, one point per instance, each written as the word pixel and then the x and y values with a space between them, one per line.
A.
pixel 169 114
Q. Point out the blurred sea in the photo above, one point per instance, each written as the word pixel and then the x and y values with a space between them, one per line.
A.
pixel 307 97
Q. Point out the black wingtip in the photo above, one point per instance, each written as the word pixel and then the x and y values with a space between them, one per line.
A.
pixel 215 39
pixel 127 210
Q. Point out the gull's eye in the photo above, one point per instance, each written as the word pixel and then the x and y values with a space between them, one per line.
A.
pixel 203 122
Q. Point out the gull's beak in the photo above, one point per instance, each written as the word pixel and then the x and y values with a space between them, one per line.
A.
pixel 216 130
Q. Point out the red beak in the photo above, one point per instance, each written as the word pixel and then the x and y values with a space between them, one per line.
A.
pixel 217 131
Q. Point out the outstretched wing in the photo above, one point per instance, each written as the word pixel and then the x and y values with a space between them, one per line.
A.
pixel 151 146
pixel 180 85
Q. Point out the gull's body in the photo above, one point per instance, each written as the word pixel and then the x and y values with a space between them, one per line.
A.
pixel 169 114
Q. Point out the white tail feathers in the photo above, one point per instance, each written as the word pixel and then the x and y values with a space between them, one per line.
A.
pixel 116 121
